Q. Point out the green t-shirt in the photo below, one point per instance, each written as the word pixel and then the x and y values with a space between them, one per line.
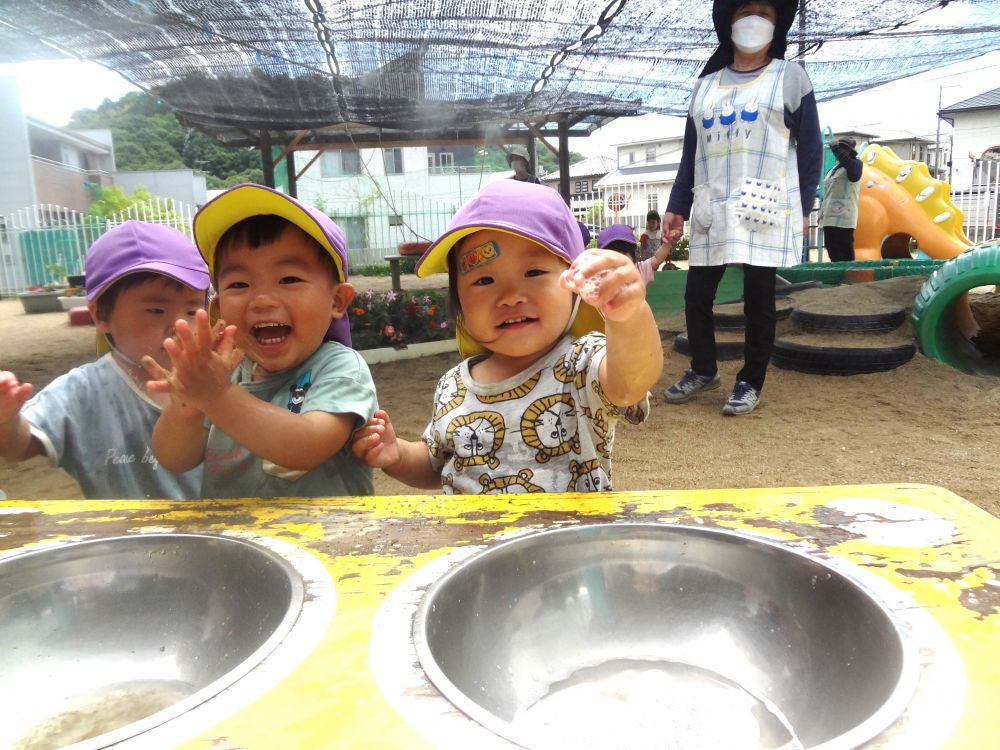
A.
pixel 334 379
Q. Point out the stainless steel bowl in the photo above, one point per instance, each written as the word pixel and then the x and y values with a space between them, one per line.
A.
pixel 645 635
pixel 105 639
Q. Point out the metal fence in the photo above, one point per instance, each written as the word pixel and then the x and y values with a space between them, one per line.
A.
pixel 980 203
pixel 43 244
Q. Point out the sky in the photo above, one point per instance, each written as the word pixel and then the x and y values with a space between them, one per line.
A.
pixel 53 90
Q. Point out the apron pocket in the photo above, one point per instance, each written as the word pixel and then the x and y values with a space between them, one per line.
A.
pixel 760 206
pixel 701 207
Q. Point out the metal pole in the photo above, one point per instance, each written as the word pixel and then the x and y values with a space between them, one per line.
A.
pixel 937 138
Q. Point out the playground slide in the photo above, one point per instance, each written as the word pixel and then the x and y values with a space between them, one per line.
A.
pixel 898 200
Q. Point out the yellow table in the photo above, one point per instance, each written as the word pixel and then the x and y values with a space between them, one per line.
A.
pixel 933 547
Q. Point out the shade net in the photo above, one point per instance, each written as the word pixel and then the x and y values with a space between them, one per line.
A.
pixel 436 66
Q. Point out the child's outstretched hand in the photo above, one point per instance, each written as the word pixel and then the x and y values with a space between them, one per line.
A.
pixel 13 394
pixel 202 360
pixel 607 280
pixel 375 444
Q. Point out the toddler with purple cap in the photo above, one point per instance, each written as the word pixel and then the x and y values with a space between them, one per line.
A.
pixel 621 238
pixel 96 421
pixel 559 346
pixel 270 396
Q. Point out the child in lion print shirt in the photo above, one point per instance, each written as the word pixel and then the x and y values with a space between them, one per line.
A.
pixel 534 404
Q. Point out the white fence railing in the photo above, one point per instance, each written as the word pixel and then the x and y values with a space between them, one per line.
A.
pixel 980 203
pixel 44 243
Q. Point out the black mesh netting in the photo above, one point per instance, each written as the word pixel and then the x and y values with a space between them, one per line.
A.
pixel 436 66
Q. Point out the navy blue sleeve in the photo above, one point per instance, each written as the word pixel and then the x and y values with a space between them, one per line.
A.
pixel 682 193
pixel 804 126
pixel 853 168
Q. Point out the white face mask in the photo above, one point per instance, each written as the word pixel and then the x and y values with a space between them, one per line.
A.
pixel 752 34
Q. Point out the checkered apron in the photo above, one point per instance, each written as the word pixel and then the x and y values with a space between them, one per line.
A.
pixel 746 206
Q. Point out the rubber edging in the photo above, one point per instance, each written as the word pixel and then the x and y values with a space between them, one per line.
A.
pixel 830 360
pixel 933 316
pixel 861 323
pixel 725 351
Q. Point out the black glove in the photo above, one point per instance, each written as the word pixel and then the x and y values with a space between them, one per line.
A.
pixel 843 152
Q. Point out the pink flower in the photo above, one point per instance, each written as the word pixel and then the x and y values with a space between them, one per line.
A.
pixel 388 332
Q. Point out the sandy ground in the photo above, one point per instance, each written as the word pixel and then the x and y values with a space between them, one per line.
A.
pixel 923 422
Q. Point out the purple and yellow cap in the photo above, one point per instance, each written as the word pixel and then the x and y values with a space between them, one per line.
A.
pixel 248 199
pixel 616 233
pixel 535 212
pixel 136 246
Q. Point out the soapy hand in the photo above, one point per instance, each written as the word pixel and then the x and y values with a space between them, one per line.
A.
pixel 202 360
pixel 608 281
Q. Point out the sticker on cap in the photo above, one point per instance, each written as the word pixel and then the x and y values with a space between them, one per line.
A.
pixel 477 256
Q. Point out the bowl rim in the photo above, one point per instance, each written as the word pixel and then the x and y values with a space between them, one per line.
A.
pixel 887 713
pixel 247 664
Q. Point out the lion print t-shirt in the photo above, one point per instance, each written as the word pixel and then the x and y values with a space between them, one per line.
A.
pixel 547 429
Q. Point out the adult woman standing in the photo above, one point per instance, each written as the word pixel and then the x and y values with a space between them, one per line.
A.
pixel 747 180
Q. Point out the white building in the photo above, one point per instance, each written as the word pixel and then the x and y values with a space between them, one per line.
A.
pixel 641 181
pixel 976 136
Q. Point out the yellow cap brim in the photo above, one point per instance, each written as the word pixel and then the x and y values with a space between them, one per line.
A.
pixel 243 202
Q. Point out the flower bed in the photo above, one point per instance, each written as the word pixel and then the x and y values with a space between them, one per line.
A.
pixel 391 319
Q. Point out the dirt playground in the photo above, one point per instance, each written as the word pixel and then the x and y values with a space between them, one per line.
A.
pixel 922 422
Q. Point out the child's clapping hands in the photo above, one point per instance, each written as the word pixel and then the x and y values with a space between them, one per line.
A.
pixel 608 281
pixel 202 361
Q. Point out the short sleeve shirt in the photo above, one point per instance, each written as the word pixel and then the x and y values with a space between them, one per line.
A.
pixel 547 429
pixel 96 424
pixel 334 379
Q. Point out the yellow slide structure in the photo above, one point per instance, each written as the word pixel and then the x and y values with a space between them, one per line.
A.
pixel 898 200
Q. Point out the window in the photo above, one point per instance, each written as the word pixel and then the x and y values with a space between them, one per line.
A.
pixel 392 158
pixel 652 202
pixel 631 157
pixel 650 153
pixel 350 162
pixel 430 162
pixel 581 186
pixel 446 159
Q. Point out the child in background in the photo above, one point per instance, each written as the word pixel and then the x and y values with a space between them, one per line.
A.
pixel 650 242
pixel 534 405
pixel 96 421
pixel 619 237
pixel 281 418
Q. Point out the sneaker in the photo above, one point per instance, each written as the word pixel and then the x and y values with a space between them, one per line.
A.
pixel 690 384
pixel 742 400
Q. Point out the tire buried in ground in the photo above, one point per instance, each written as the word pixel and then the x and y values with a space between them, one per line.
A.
pixel 830 360
pixel 725 351
pixel 880 322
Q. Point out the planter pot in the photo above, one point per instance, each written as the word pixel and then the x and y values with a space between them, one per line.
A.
pixel 40 302
pixel 425 349
pixel 68 303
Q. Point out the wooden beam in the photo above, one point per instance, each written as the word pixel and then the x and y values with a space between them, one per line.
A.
pixel 266 160
pixel 564 160
pixel 293 188
pixel 291 146
pixel 309 164
pixel 541 136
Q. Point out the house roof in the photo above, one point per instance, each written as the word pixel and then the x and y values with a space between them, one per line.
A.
pixel 74 137
pixel 595 165
pixel 986 100
pixel 648 173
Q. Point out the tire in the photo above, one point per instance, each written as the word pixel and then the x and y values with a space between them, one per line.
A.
pixel 832 323
pixel 737 321
pixel 942 320
pixel 725 351
pixel 828 360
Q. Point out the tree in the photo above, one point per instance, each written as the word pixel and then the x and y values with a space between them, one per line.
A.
pixel 147 135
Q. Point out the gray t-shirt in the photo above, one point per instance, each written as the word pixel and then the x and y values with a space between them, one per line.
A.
pixel 334 379
pixel 96 424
